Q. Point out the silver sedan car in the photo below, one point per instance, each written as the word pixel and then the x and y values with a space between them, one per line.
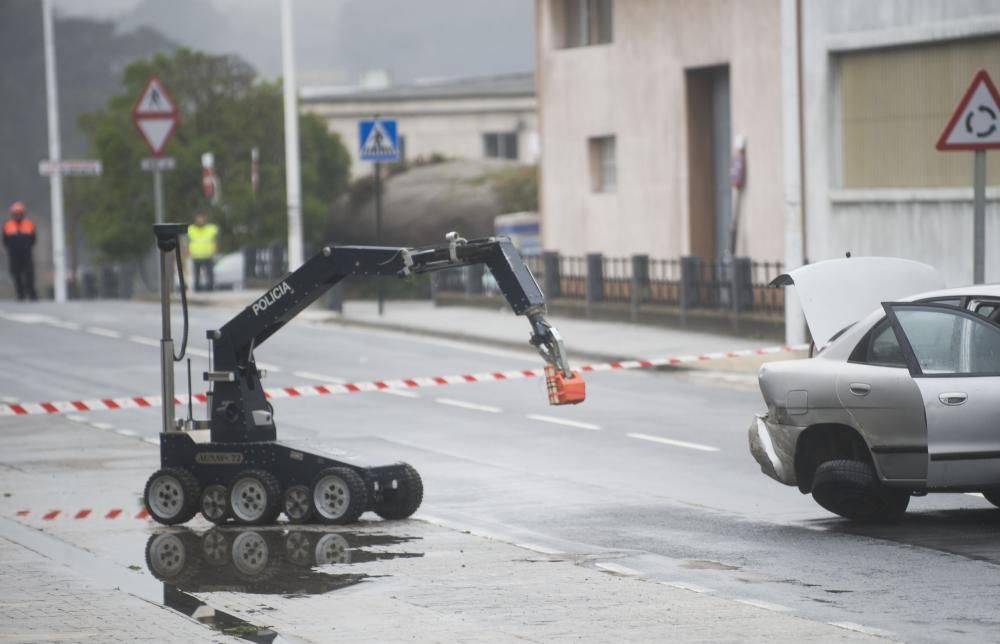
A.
pixel 901 396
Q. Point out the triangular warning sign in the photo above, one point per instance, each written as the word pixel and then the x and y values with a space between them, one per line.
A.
pixel 975 125
pixel 378 142
pixel 156 131
pixel 154 100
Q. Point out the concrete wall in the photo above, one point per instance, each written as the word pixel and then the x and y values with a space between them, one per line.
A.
pixel 931 225
pixel 450 127
pixel 634 88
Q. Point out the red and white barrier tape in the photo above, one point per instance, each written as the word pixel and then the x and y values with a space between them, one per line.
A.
pixel 137 402
pixel 84 513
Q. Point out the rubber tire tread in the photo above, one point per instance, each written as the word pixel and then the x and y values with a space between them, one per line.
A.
pixel 358 490
pixel 192 495
pixel 190 569
pixel 404 501
pixel 310 514
pixel 834 477
pixel 201 507
pixel 273 502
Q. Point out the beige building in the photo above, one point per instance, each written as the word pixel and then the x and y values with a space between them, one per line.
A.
pixel 476 118
pixel 640 103
pixel 840 103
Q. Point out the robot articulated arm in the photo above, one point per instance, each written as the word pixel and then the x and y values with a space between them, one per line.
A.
pixel 239 406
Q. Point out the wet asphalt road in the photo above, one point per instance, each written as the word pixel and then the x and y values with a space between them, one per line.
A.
pixel 593 479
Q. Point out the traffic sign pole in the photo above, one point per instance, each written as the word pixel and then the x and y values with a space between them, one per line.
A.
pixel 379 282
pixel 158 195
pixel 378 141
pixel 975 126
pixel 979 219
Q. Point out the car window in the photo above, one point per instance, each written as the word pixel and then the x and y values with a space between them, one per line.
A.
pixel 880 347
pixel 988 310
pixel 946 342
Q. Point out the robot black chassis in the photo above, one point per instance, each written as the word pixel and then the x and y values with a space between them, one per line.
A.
pixel 243 473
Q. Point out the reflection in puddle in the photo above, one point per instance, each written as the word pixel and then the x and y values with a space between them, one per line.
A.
pixel 965 532
pixel 274 561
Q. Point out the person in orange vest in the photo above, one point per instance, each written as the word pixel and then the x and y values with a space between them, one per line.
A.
pixel 19 239
pixel 202 247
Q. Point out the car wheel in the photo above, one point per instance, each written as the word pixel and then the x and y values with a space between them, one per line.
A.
pixel 852 490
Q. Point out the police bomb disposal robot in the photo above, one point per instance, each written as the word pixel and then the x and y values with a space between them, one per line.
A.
pixel 243 473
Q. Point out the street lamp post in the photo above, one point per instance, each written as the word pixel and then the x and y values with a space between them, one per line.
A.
pixel 293 179
pixel 55 155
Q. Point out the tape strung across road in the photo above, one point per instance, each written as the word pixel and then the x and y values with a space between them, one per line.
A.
pixel 137 402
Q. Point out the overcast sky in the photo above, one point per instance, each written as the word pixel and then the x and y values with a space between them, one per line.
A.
pixel 339 40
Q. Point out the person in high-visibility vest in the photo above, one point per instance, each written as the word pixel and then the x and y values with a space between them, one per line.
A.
pixel 19 239
pixel 202 246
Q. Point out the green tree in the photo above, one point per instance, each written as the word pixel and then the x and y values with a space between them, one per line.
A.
pixel 516 188
pixel 225 110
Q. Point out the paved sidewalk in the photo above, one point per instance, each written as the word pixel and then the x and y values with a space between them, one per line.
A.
pixel 585 339
pixel 44 601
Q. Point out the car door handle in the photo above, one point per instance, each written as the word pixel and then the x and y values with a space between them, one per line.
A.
pixel 953 398
pixel 860 388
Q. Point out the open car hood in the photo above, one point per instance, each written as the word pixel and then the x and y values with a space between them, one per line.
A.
pixel 838 292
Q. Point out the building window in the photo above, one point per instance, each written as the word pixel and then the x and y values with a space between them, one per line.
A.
pixel 893 104
pixel 587 22
pixel 500 145
pixel 603 164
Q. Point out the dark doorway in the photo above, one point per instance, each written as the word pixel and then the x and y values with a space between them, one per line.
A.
pixel 709 138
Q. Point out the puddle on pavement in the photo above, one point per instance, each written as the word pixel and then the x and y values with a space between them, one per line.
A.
pixel 269 561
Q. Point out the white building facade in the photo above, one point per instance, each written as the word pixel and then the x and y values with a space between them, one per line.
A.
pixel 880 81
pixel 479 118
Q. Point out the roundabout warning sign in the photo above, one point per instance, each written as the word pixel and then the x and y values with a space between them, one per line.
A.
pixel 975 125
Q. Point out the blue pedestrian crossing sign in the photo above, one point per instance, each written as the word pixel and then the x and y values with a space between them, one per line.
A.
pixel 378 140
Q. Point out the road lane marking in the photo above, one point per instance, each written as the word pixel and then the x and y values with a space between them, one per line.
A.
pixel 670 441
pixel 127 432
pixel 858 628
pixel 311 375
pixel 63 324
pixel 468 405
pixel 97 425
pixel 564 421
pixel 619 569
pixel 694 588
pixel 152 441
pixel 402 393
pixel 149 342
pixel 105 333
pixel 777 608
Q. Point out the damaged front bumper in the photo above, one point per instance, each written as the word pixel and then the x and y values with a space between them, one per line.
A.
pixel 773 446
